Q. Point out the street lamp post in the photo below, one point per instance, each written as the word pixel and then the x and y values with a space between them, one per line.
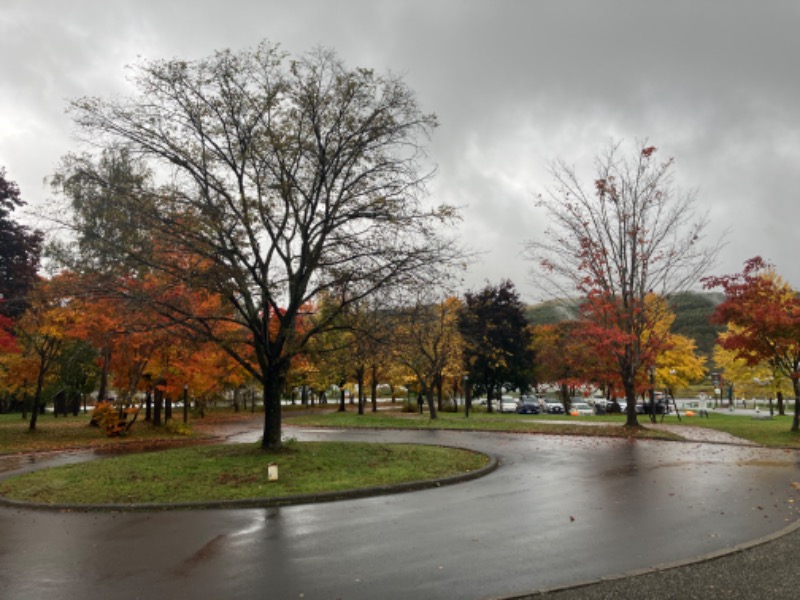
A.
pixel 668 395
pixel 467 396
pixel 653 394
pixel 185 402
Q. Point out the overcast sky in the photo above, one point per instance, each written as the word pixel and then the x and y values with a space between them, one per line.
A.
pixel 515 84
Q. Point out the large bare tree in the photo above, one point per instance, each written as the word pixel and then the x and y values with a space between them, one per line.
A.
pixel 279 179
pixel 628 234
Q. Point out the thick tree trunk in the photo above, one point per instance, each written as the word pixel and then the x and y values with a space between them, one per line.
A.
pixel 565 399
pixel 273 385
pixel 159 400
pixel 60 404
pixel 429 398
pixel 630 397
pixel 796 418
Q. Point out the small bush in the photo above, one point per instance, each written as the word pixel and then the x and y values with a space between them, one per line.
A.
pixel 114 421
pixel 178 428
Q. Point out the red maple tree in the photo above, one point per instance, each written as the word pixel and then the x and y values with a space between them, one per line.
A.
pixel 766 312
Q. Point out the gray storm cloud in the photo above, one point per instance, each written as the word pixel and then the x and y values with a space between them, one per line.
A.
pixel 515 84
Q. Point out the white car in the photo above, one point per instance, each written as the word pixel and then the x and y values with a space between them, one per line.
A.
pixel 506 404
pixel 581 409
pixel 552 407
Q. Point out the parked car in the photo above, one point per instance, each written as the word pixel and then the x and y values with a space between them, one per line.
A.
pixel 528 405
pixel 553 407
pixel 616 405
pixel 646 408
pixel 581 409
pixel 506 404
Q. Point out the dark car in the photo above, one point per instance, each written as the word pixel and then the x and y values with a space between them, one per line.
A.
pixel 662 408
pixel 528 406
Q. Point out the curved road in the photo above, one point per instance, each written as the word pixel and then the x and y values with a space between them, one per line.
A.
pixel 559 510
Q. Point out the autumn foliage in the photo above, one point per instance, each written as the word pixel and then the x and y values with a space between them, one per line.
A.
pixel 114 421
pixel 765 312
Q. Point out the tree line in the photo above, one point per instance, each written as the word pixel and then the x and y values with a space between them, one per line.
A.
pixel 253 218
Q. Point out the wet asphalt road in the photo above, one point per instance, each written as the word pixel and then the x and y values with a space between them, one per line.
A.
pixel 559 510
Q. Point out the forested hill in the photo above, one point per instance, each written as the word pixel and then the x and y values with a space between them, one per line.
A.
pixel 692 318
pixel 692 313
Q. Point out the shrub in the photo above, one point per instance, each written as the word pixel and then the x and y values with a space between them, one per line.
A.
pixel 177 428
pixel 114 421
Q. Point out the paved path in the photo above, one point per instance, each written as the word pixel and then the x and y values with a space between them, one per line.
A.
pixel 702 434
pixel 689 433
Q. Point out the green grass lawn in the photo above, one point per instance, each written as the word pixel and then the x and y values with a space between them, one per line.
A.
pixel 481 421
pixel 237 471
pixel 65 433
pixel 774 432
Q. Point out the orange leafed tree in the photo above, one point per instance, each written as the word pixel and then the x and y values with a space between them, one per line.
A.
pixel 99 321
pixel 124 331
pixel 140 348
pixel 42 330
pixel 569 356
